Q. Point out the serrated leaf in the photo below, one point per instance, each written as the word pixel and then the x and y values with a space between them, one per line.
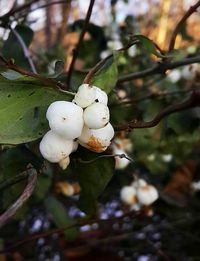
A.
pixel 93 178
pixel 23 105
pixel 60 217
pixel 107 75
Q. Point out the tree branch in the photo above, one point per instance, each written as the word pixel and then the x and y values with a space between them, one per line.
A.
pixel 10 212
pixel 190 11
pixel 159 68
pixel 77 49
pixel 193 101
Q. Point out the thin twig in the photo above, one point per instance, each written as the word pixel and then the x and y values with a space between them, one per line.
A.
pixel 106 156
pixel 26 51
pixel 193 101
pixel 77 49
pixel 48 82
pixel 10 212
pixel 189 12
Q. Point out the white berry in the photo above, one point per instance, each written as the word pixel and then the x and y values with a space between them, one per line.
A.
pixel 96 116
pixel 66 119
pixel 128 195
pixel 147 195
pixel 55 148
pixel 75 146
pixel 85 96
pixel 100 96
pixel 139 183
pixel 96 140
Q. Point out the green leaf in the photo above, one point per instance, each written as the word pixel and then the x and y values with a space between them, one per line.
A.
pixel 12 47
pixel 23 105
pixel 106 77
pixel 93 178
pixel 60 217
pixel 148 45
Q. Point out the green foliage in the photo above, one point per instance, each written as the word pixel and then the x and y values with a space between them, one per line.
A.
pixel 12 48
pixel 60 217
pixel 23 105
pixel 106 76
pixel 93 178
pixel 148 45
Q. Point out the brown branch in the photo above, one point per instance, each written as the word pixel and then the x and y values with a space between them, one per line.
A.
pixel 98 66
pixel 26 51
pixel 14 180
pixel 189 12
pixel 46 81
pixel 10 212
pixel 193 101
pixel 159 68
pixel 77 49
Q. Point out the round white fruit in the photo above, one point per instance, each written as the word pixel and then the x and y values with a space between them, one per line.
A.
pixel 55 148
pixel 65 119
pixel 139 183
pixel 96 116
pixel 85 95
pixel 128 195
pixel 146 195
pixel 96 140
pixel 100 96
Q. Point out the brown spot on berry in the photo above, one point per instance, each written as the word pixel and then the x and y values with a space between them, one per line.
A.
pixel 95 145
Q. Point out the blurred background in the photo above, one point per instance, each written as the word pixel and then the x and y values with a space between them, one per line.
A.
pixel 166 156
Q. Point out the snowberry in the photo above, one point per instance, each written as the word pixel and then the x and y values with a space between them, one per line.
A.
pixel 96 116
pixel 146 195
pixel 64 163
pixel 139 183
pixel 66 119
pixel 96 140
pixel 85 96
pixel 128 195
pixel 100 96
pixel 55 148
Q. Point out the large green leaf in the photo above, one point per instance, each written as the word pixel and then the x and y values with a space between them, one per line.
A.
pixel 60 217
pixel 23 104
pixel 93 178
pixel 13 49
pixel 106 76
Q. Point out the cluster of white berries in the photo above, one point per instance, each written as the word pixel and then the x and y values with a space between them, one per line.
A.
pixel 139 194
pixel 83 121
